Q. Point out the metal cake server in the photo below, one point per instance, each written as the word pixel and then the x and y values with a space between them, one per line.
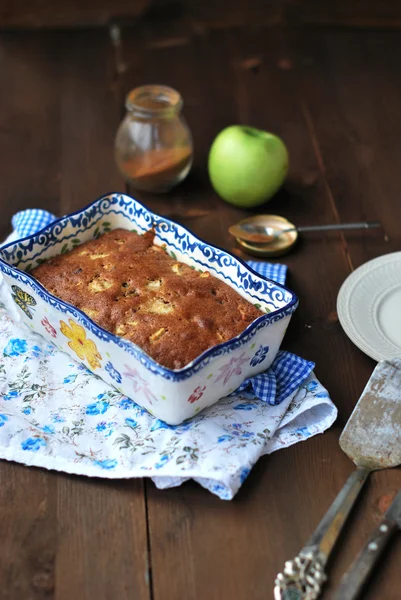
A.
pixel 353 581
pixel 372 439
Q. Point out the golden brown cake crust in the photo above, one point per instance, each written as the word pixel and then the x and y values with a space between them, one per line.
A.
pixel 132 288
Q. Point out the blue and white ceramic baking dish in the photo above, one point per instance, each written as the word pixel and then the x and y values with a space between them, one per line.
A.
pixel 170 395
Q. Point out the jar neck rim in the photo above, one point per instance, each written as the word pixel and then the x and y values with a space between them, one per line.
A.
pixel 154 101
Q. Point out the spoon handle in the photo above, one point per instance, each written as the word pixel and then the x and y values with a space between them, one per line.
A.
pixel 303 577
pixel 338 226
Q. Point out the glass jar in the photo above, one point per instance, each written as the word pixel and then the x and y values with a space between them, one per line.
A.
pixel 153 146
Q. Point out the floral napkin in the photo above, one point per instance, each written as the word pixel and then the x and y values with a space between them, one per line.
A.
pixel 55 414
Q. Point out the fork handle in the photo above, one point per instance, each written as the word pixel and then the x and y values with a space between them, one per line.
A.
pixel 305 574
pixel 353 581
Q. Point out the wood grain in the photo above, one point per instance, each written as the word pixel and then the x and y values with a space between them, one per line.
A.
pixel 102 546
pixel 269 94
pixel 334 97
pixel 28 535
pixel 197 14
pixel 35 14
pixel 354 122
pixel 64 536
pixel 106 551
pixel 356 137
pixel 29 124
pixel 29 169
pixel 90 114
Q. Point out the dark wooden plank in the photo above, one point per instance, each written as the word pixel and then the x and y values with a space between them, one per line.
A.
pixel 38 14
pixel 29 171
pixel 343 14
pixel 106 555
pixel 254 535
pixel 187 14
pixel 292 12
pixel 29 125
pixel 101 540
pixel 28 534
pixel 89 112
pixel 352 95
pixel 85 538
pixel 64 536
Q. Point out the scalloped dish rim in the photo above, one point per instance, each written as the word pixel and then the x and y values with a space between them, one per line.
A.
pixel 173 374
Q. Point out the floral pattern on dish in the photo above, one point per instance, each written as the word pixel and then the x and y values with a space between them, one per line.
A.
pixel 232 367
pixel 114 374
pixel 260 355
pixel 49 327
pixel 197 394
pixel 24 300
pixel 84 348
pixel 139 384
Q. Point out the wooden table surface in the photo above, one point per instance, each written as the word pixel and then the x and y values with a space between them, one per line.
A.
pixel 334 95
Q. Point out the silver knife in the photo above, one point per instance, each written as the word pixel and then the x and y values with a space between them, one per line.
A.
pixel 353 581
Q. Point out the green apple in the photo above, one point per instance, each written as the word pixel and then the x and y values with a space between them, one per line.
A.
pixel 246 165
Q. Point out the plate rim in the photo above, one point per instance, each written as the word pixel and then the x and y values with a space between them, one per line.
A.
pixel 345 293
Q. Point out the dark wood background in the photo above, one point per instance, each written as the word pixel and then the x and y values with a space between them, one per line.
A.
pixel 326 78
pixel 200 13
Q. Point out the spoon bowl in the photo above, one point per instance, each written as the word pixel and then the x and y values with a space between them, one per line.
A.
pixel 265 235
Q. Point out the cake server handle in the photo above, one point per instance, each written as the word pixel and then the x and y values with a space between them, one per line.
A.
pixel 304 576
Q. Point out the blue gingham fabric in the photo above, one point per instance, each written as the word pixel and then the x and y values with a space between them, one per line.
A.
pixel 285 375
pixel 274 271
pixel 287 372
pixel 30 221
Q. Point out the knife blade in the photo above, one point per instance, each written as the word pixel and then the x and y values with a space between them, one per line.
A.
pixel 353 581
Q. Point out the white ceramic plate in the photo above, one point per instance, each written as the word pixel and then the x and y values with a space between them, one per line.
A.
pixel 369 307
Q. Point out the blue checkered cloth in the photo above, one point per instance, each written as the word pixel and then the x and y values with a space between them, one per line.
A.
pixel 287 372
pixel 276 272
pixel 282 379
pixel 27 222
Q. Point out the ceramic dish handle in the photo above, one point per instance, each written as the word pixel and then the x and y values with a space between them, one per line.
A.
pixel 304 576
